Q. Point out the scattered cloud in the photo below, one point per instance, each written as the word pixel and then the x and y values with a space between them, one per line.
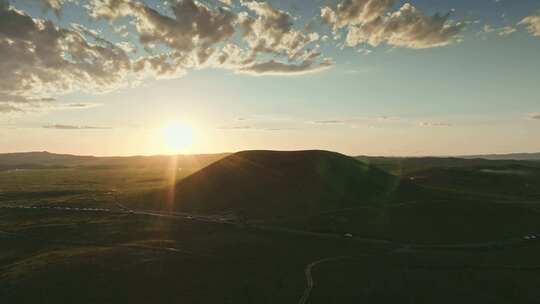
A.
pixel 332 122
pixel 81 105
pixel 199 36
pixel 354 12
pixel 42 59
pixel 76 106
pixel 226 2
pixel 434 124
pixel 235 127
pixel 55 5
pixel 271 31
pixel 359 120
pixel 73 127
pixel 251 128
pixel 507 30
pixel 39 59
pixel 371 22
pixel 502 31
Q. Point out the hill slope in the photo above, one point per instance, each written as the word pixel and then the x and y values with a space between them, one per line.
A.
pixel 261 184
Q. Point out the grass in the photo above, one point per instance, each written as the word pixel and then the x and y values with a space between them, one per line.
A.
pixel 55 256
pixel 237 266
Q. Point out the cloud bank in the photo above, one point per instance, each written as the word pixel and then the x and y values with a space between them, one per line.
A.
pixel 41 59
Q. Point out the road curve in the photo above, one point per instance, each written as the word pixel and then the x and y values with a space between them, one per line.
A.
pixel 309 277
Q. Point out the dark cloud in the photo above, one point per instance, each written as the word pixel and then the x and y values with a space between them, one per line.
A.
pixel 8 108
pixel 273 67
pixel 72 127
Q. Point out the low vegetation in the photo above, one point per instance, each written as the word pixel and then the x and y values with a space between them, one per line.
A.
pixel 414 231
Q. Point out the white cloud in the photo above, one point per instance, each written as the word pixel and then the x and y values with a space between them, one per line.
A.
pixel 126 46
pixel 40 59
pixel 353 12
pixel 533 24
pixel 199 36
pixel 507 30
pixel 368 21
pixel 226 2
pixel 502 31
pixel 271 31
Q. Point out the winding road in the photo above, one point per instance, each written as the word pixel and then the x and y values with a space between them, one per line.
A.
pixel 309 277
pixel 224 220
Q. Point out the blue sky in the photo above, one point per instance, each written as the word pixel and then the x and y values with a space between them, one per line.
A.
pixel 413 85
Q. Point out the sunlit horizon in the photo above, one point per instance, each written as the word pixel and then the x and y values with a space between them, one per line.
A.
pixel 455 78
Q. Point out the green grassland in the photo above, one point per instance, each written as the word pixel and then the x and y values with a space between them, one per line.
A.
pixel 44 178
pixel 446 231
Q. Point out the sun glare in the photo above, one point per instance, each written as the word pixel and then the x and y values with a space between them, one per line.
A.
pixel 177 136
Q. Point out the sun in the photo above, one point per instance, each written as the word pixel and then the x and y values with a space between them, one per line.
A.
pixel 177 136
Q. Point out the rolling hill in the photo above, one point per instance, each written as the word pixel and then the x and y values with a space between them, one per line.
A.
pixel 47 160
pixel 511 156
pixel 263 184
pixel 408 165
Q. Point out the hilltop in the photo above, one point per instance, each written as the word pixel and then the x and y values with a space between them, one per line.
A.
pixel 260 184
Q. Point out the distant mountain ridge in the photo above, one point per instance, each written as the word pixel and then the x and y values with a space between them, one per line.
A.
pixel 511 156
pixel 47 160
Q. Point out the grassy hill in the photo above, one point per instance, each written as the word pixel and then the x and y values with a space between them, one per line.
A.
pixel 262 184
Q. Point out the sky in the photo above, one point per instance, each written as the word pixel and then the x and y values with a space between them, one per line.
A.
pixel 361 77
